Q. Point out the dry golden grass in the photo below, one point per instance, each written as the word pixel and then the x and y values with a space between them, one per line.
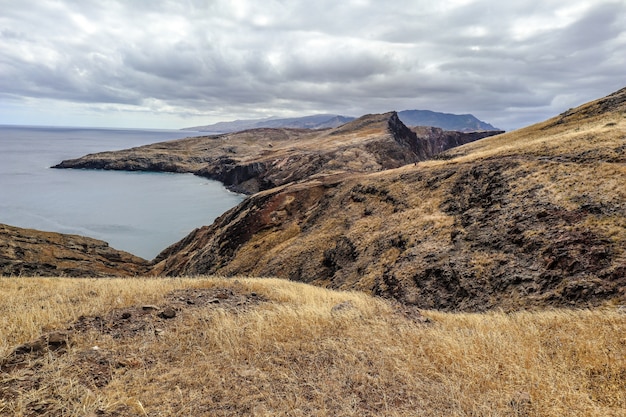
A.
pixel 548 138
pixel 300 354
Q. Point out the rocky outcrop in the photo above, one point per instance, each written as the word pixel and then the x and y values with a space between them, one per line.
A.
pixel 27 252
pixel 532 218
pixel 433 141
pixel 262 159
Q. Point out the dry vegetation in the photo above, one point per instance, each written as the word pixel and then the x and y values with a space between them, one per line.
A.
pixel 530 219
pixel 533 218
pixel 272 347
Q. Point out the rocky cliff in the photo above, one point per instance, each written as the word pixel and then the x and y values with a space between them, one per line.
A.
pixel 529 218
pixel 27 252
pixel 262 159
pixel 432 141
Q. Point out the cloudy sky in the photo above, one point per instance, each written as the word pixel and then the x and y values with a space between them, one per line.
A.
pixel 179 63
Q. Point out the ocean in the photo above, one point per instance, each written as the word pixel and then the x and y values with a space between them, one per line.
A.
pixel 138 212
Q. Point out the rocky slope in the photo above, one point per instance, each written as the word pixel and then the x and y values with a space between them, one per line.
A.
pixel 534 217
pixel 262 159
pixel 246 161
pixel 27 252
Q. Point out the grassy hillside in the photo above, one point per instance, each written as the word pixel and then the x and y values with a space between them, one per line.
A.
pixel 531 218
pixel 272 347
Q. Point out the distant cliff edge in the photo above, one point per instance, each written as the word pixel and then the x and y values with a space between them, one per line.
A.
pixel 261 159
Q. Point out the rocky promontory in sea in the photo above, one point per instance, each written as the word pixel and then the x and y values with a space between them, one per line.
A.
pixel 261 159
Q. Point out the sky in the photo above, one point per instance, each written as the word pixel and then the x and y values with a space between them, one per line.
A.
pixel 180 63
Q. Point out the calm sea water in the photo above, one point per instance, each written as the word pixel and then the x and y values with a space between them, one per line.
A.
pixel 141 213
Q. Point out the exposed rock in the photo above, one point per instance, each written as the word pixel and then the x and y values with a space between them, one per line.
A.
pixel 433 141
pixel 93 367
pixel 530 218
pixel 505 222
pixel 27 252
pixel 21 356
pixel 143 320
pixel 167 313
pixel 343 306
pixel 459 122
pixel 50 341
pixel 262 159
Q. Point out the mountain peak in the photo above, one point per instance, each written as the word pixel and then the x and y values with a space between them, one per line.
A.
pixel 368 121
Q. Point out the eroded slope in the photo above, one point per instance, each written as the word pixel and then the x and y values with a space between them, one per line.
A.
pixel 27 252
pixel 261 159
pixel 531 218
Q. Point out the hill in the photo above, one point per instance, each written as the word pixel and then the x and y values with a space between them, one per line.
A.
pixel 262 159
pixel 218 347
pixel 530 218
pixel 446 121
pixel 27 252
pixel 533 218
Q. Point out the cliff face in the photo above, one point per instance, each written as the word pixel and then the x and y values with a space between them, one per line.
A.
pixel 27 252
pixel 262 159
pixel 530 218
pixel 432 141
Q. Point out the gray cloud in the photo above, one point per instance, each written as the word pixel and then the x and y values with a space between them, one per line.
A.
pixel 179 63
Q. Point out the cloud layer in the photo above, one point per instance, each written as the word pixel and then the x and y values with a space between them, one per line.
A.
pixel 179 63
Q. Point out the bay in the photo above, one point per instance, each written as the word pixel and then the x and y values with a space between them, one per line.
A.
pixel 138 212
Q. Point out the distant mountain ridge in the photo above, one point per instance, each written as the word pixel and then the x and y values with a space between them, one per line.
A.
pixel 445 121
pixel 316 121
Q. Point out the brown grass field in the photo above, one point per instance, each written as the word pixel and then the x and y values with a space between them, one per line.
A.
pixel 268 347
